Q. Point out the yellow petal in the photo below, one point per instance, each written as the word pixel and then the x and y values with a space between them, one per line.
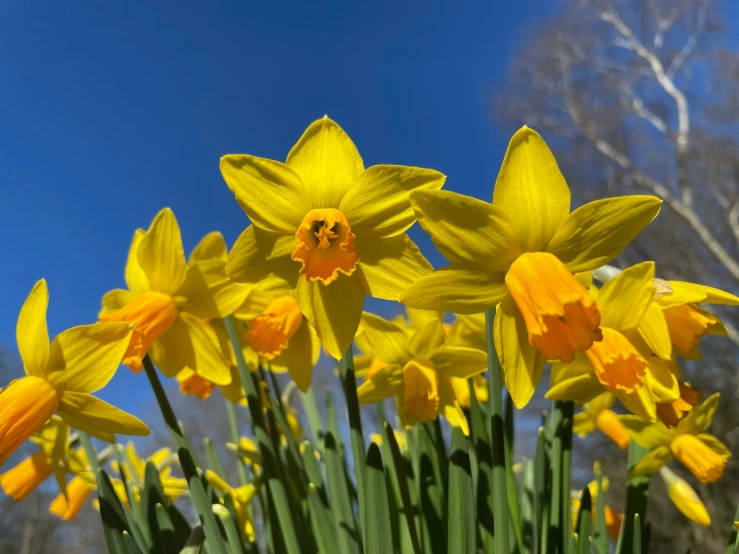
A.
pixel 85 358
pixel 98 418
pixel 209 293
pixel 449 406
pixel 531 189
pixel 651 462
pixel 653 329
pixel 459 361
pixel 31 332
pixel 390 265
pixel 521 362
pixel 114 300
pixel 135 277
pixel 626 297
pixel 378 202
pixel 427 339
pixel 699 419
pixel 684 293
pixel 327 161
pixel 192 343
pixel 575 381
pixel 467 230
pixel 385 339
pixel 333 310
pixel 661 380
pixel 272 194
pixel 211 247
pixel 386 382
pixel 597 232
pixel 263 259
pixel 161 255
pixel 639 402
pixel 648 435
pixel 716 445
pixel 458 289
pixel 300 356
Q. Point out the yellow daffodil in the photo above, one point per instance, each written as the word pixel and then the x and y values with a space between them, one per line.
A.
pixel 325 226
pixel 614 519
pixel 168 301
pixel 400 437
pixel 703 454
pixel 468 330
pixel 418 370
pixel 597 415
pixel 246 450
pixel 78 491
pixel 670 413
pixel 521 252
pixel 685 498
pixel 60 377
pixel 162 459
pixel 634 360
pixel 688 322
pixel 22 479
pixel 241 497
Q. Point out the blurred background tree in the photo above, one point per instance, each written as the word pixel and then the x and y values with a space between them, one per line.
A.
pixel 643 97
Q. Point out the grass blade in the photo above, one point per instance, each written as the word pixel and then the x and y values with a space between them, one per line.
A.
pixel 378 532
pixel 584 520
pixel 511 488
pixel 462 532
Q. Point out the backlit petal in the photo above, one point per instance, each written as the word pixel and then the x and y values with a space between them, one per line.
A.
pixel 684 293
pixel 653 329
pixel 450 407
pixel 114 300
pixel 263 259
pixel 378 203
pixel 467 230
pixel 300 356
pixel 458 289
pixel 648 435
pixel 427 339
pixel 98 418
pixel 327 162
pixel 626 297
pixel 597 232
pixel 531 189
pixel 387 382
pixel 651 462
pixel 575 381
pixel 385 340
pixel 272 194
pixel 31 332
pixel 459 361
pixel 135 277
pixel 161 255
pixel 211 247
pixel 208 291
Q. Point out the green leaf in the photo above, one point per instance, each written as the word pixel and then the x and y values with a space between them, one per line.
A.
pixel 637 494
pixel 484 488
pixel 430 488
pixel 462 536
pixel 600 537
pixel 377 533
pixel 733 546
pixel 511 488
pixel 339 500
pixel 541 498
pixel 212 458
pixel 584 519
pixel 568 409
pixel 195 541
pixel 232 533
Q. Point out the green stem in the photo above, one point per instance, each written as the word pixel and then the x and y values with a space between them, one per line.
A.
pixel 637 491
pixel 199 496
pixel 499 489
pixel 568 410
pixel 236 437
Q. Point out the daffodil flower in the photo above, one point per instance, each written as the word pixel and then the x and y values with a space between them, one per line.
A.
pixel 241 497
pixel 168 303
pixel 78 491
pixel 162 460
pixel 685 498
pixel 521 252
pixel 634 360
pixel 60 377
pixel 418 371
pixel 703 454
pixel 22 479
pixel 670 413
pixel 614 519
pixel 597 414
pixel 326 226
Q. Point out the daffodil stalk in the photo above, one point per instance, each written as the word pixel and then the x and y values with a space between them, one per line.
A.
pixel 637 492
pixel 233 424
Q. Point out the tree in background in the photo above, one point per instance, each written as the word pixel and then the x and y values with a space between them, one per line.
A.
pixel 643 96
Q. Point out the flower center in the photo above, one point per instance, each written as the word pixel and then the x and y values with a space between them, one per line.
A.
pixel 420 390
pixel 561 317
pixel 609 424
pixel 325 246
pixel 152 314
pixel 617 364
pixel 687 324
pixel 25 405
pixel 270 332
pixel 706 464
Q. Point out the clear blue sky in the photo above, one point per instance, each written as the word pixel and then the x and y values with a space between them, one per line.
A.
pixel 111 111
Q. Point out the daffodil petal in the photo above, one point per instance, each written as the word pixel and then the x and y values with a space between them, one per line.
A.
pixel 390 265
pixel 575 381
pixel 716 445
pixel 379 204
pixel 653 329
pixel 263 259
pixel 685 293
pixel 209 293
pixel 598 231
pixel 449 406
pixel 521 362
pixel 626 297
pixel 333 310
pixel 639 402
pixel 98 418
pixel 458 289
pixel 211 247
pixel 532 190
pixel 83 359
pixel 190 342
pixel 651 462
pixel 161 255
pixel 427 339
pixel 31 332
pixel 646 434
pixel 700 417
pixel 114 300
pixel 327 162
pixel 136 279
pixel 467 230
pixel 272 194
pixel 385 339
pixel 459 361
pixel 387 382
pixel 300 356
pixel 662 382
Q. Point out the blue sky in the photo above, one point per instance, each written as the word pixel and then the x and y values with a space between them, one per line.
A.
pixel 111 111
